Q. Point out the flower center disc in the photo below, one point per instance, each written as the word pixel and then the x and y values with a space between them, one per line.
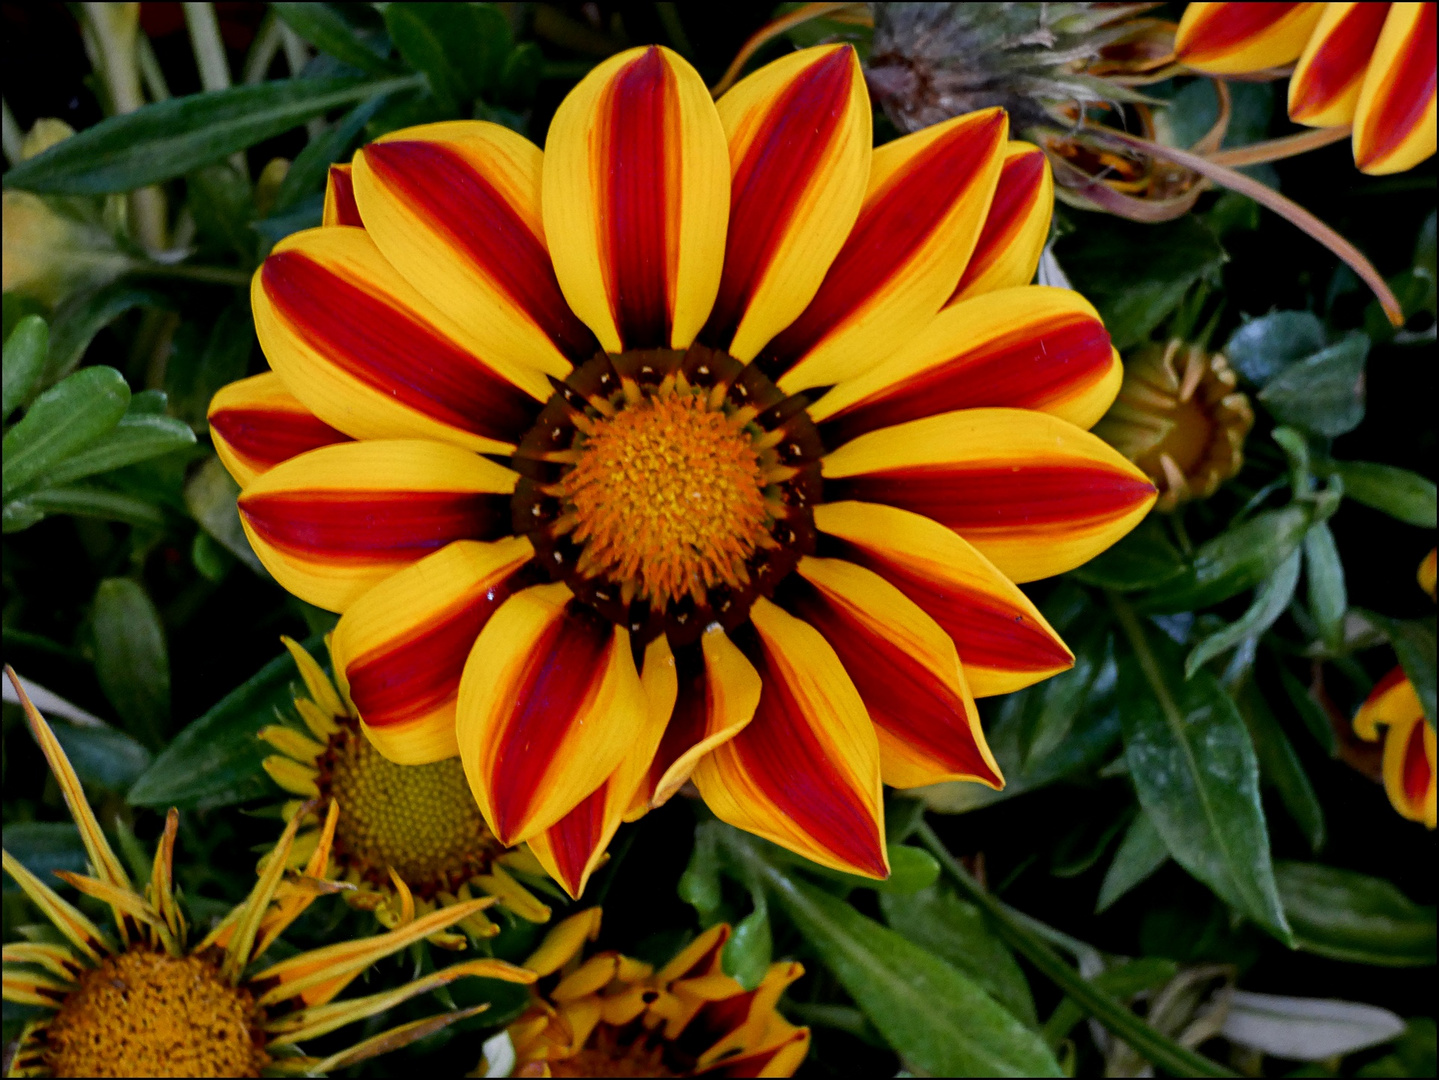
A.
pixel 610 1052
pixel 152 1014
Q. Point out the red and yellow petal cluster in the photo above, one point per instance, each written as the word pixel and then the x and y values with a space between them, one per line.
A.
pixel 460 269
pixel 1409 746
pixel 1370 65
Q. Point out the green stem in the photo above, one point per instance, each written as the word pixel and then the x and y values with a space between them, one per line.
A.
pixel 1163 1052
pixel 213 275
pixel 1134 631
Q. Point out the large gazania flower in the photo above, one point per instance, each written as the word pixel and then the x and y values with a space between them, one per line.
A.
pixel 783 426
pixel 143 1003
pixel 1371 65
pixel 611 1015
pixel 411 838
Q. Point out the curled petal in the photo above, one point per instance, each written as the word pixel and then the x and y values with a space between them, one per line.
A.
pixel 340 208
pixel 1233 38
pixel 1007 252
pixel 1324 89
pixel 256 423
pixel 1409 768
pixel 1394 121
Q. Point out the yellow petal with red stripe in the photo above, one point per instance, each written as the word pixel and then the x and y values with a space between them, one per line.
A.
pixel 906 670
pixel 636 200
pixel 1409 768
pixel 572 848
pixel 1324 89
pixel 804 772
pixel 371 356
pixel 402 646
pixel 1394 121
pixel 550 703
pixel 1031 347
pixel 1233 38
pixel 1007 252
pixel 340 208
pixel 256 423
pixel 1035 494
pixel 799 133
pixel 929 194
pixel 331 523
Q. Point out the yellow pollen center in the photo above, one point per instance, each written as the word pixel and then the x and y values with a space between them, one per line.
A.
pixel 667 497
pixel 151 1014
pixel 420 819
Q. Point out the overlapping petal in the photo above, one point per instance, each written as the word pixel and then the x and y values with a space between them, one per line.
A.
pixel 928 197
pixel 1409 745
pixel 370 356
pixel 550 703
pixel 402 646
pixel 1232 38
pixel 1004 642
pixel 340 208
pixel 333 522
pixel 455 207
pixel 906 670
pixel 1031 347
pixel 1035 494
pixel 1324 89
pixel 1012 240
pixel 256 423
pixel 1394 121
pixel 805 772
pixel 636 200
pixel 799 133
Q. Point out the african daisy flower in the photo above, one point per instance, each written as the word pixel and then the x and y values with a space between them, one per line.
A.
pixel 782 428
pixel 610 1015
pixel 1370 65
pixel 143 1003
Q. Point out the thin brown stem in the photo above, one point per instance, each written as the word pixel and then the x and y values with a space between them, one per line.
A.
pixel 1279 149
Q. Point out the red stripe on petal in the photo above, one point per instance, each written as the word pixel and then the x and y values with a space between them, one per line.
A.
pixel 1340 61
pixel 442 187
pixel 266 437
pixel 1402 101
pixel 340 206
pixel 887 233
pixel 774 174
pixel 1024 370
pixel 689 720
pixel 901 694
pixel 780 752
pixel 373 526
pixel 1232 24
pixel 389 349
pixel 1418 773
pixel 575 836
pixel 566 665
pixel 1019 183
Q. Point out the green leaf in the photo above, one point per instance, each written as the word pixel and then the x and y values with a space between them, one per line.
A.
pixel 134 438
pixel 957 932
pixel 520 77
pixel 1350 916
pixel 1328 598
pixel 1197 777
pixel 64 420
pixel 1414 645
pixel 935 1017
pixel 131 659
pixel 193 375
pixel 210 496
pixel 699 885
pixel 171 138
pixel 1397 492
pixel 105 756
pixel 1262 348
pixel 215 761
pixel 44 847
pixel 1234 561
pixel 1142 560
pixel 1323 393
pixel 24 361
pixel 311 167
pixel 1140 854
pixel 461 48
pixel 326 29
pixel 910 869
pixel 1279 765
pixel 82 501
pixel 1270 601
pixel 1124 982
pixel 81 317
pixel 222 203
pixel 1310 711
pixel 747 954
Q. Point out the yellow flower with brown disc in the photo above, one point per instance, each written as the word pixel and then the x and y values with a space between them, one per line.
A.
pixel 143 1002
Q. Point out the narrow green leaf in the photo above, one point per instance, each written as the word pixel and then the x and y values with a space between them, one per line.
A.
pixel 1350 916
pixel 461 48
pixel 1323 393
pixel 1141 853
pixel 1124 982
pixel 750 949
pixel 311 167
pixel 1270 601
pixel 1234 561
pixel 84 501
pixel 910 869
pixel 134 438
pixel 25 351
pixel 1262 348
pixel 131 658
pixel 81 317
pixel 1279 765
pixel 1397 492
pixel 64 420
pixel 1328 598
pixel 171 138
pixel 1310 711
pixel 323 27
pixel 520 76
pixel 1414 645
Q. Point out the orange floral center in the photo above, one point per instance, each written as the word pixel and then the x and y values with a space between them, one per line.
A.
pixel 609 1053
pixel 152 1014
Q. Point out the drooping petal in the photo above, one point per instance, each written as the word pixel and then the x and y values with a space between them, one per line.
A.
pixel 1035 494
pixel 402 646
pixel 331 523
pixel 928 196
pixel 906 670
pixel 1409 749
pixel 550 702
pixel 1031 347
pixel 804 772
pixel 1324 89
pixel 717 694
pixel 256 423
pixel 1004 642
pixel 369 355
pixel 1392 701
pixel 799 132
pixel 1232 38
pixel 455 207
pixel 1009 246
pixel 636 200
pixel 572 848
pixel 1394 121
pixel 340 208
